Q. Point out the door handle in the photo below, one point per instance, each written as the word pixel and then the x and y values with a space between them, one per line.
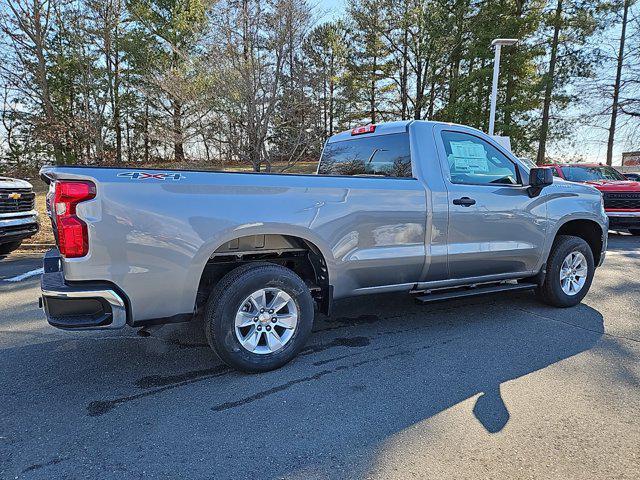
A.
pixel 464 201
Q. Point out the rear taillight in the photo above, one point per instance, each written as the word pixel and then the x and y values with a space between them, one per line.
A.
pixel 73 238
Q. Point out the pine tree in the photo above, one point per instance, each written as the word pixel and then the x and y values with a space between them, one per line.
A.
pixel 369 64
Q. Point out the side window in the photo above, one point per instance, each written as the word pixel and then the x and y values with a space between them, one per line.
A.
pixel 474 161
pixel 378 155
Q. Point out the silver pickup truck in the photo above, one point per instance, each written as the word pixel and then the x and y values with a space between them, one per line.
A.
pixel 433 209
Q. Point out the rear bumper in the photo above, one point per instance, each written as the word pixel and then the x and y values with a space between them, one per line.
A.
pixel 79 306
pixel 622 219
pixel 14 227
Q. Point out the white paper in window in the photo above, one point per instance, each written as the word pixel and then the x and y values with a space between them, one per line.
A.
pixel 468 157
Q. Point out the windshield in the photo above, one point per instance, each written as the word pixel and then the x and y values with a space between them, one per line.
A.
pixel 589 174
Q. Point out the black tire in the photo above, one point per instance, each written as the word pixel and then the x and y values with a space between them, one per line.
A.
pixel 7 248
pixel 551 291
pixel 635 231
pixel 226 299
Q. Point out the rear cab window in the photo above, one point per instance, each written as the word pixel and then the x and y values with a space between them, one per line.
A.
pixel 377 155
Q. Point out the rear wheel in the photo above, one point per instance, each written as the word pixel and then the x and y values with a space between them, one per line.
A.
pixel 258 317
pixel 570 270
pixel 7 248
pixel 634 231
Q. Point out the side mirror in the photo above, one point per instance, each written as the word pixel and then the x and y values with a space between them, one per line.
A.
pixel 539 178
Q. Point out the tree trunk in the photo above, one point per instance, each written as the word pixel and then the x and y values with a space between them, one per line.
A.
pixel 127 126
pixel 116 94
pixel 404 76
pixel 331 104
pixel 548 91
pixel 616 86
pixel 178 147
pixel 486 101
pixel 417 111
pixel 372 93
pixel 332 86
pixel 206 146
pixel 481 100
pixel 325 106
pixel 511 81
pixel 432 92
pixel 146 132
pixel 456 60
pixel 43 84
pixel 510 89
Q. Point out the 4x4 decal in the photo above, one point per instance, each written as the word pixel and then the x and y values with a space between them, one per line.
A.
pixel 155 176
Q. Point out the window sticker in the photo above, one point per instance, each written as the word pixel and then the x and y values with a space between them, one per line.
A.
pixel 468 157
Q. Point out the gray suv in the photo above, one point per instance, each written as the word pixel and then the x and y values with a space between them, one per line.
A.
pixel 433 209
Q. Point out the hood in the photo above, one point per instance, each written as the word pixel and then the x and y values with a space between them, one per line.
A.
pixel 6 182
pixel 615 185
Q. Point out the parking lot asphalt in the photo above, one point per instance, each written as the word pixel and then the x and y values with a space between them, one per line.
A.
pixel 493 387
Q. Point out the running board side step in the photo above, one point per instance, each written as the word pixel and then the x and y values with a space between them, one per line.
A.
pixel 473 291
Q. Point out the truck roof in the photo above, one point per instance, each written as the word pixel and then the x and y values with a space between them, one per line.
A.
pixel 384 128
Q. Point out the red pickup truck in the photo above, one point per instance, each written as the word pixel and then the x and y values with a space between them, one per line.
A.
pixel 621 195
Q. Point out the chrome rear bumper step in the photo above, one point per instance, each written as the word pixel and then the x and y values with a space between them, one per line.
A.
pixel 79 306
pixel 472 291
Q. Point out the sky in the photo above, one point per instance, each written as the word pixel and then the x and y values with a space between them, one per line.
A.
pixel 334 8
pixel 588 142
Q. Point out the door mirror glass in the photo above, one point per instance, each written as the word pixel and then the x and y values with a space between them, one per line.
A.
pixel 540 177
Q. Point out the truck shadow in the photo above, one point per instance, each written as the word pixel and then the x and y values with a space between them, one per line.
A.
pixel 486 352
pixel 372 370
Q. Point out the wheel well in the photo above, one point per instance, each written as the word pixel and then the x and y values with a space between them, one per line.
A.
pixel 589 231
pixel 295 253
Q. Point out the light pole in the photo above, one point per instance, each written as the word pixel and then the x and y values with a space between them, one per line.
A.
pixel 497 45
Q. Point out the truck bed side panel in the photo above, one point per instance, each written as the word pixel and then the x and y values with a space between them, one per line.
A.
pixel 153 237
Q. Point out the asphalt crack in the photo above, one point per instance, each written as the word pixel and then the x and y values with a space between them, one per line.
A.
pixel 38 466
pixel 155 381
pixel 162 383
pixel 351 342
pixel 342 322
pixel 285 386
pixel 271 391
pixel 100 407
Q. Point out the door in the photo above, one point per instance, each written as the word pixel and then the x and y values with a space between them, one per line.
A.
pixel 376 223
pixel 494 226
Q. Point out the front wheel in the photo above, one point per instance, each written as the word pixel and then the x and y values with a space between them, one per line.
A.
pixel 258 317
pixel 570 270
